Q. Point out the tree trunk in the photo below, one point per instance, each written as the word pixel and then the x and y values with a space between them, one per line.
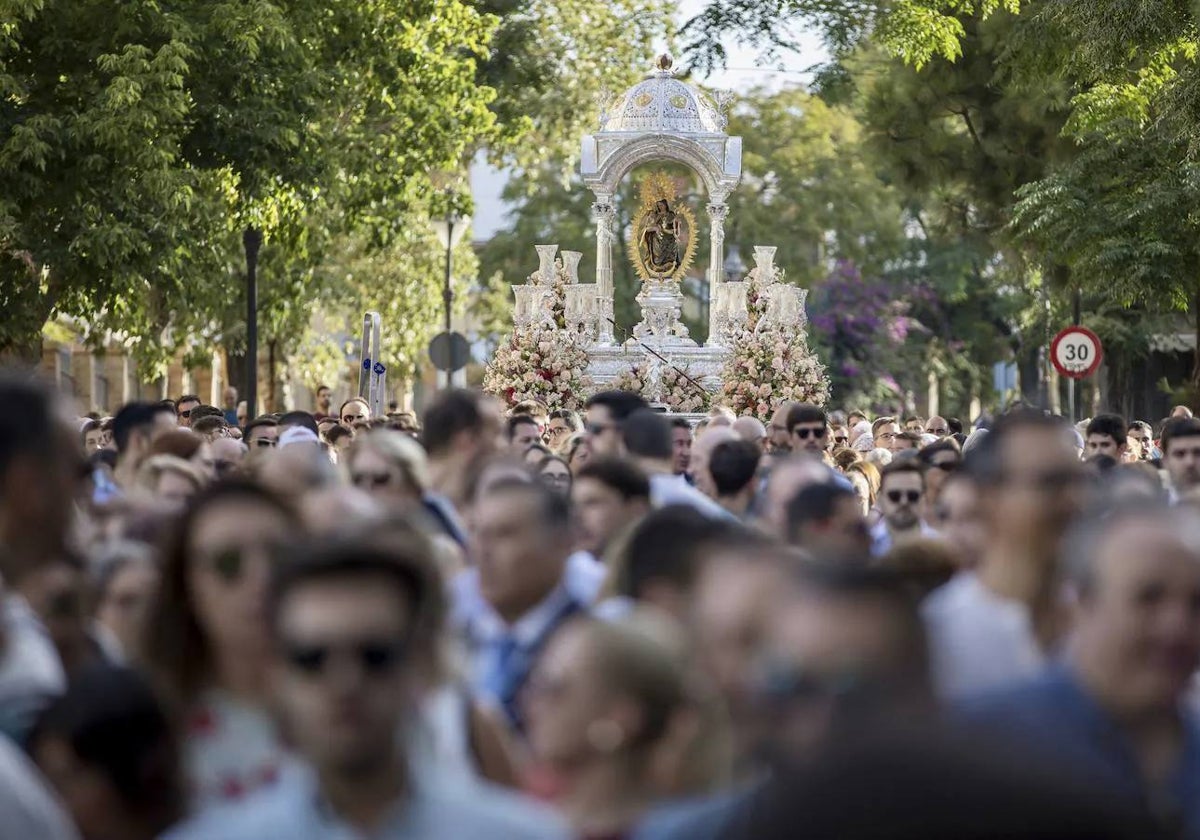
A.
pixel 22 352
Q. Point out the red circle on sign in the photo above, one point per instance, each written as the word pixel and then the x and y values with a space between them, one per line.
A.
pixel 1063 369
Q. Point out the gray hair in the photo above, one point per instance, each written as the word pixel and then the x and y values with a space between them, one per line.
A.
pixel 1085 541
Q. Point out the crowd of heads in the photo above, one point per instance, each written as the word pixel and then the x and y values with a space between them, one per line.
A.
pixel 658 626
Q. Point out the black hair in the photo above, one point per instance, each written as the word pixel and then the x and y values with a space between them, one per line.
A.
pixel 619 475
pixel 452 411
pixel 899 467
pixel 647 434
pixel 954 425
pixel 114 724
pixel 733 465
pixel 1113 425
pixel 680 423
pixel 337 433
pixel 259 422
pixel 408 565
pixel 805 413
pixel 1179 428
pixel 520 420
pixel 132 417
pixel 187 398
pixel 620 404
pixel 299 418
pixel 944 445
pixel 89 426
pixel 667 545
pixel 815 503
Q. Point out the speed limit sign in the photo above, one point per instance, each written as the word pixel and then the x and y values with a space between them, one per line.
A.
pixel 1076 352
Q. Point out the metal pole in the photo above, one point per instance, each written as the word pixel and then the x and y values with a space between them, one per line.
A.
pixel 252 241
pixel 1076 316
pixel 447 292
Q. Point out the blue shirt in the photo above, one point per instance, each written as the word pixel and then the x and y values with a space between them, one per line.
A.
pixel 1054 711
pixel 436 809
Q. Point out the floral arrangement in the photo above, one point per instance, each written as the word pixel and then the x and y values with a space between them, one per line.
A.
pixel 673 388
pixel 771 364
pixel 541 362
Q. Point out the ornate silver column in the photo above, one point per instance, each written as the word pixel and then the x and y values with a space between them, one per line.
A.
pixel 604 215
pixel 717 211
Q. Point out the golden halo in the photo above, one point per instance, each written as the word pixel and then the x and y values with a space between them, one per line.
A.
pixel 655 187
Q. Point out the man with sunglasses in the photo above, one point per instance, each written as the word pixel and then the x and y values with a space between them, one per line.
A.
pixel 606 412
pixel 808 429
pixel 901 501
pixel 183 409
pixel 355 629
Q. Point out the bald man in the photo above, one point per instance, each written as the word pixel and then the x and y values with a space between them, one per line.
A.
pixel 751 429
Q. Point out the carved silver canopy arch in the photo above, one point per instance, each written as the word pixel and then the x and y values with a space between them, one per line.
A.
pixel 661 119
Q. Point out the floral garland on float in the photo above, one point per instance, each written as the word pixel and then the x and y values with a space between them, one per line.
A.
pixel 770 361
pixel 541 359
pixel 664 384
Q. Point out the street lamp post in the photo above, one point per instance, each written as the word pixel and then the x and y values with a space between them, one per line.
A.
pixel 252 241
pixel 450 231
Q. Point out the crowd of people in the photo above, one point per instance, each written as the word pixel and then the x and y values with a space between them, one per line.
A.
pixel 612 625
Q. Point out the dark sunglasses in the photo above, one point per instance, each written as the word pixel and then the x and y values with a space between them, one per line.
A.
pixel 841 439
pixel 186 414
pixel 913 496
pixel 805 434
pixel 370 479
pixel 944 466
pixel 376 657
pixel 265 442
pixel 351 419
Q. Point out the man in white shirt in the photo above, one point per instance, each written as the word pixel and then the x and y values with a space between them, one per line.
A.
pixel 901 500
pixel 355 627
pixel 994 625
pixel 609 495
pixel 647 439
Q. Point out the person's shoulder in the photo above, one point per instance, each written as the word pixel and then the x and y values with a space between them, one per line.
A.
pixel 27 808
pixel 479 809
pixel 270 813
pixel 1036 701
pixel 692 819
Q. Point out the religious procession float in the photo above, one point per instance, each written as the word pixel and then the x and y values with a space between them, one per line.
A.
pixel 564 345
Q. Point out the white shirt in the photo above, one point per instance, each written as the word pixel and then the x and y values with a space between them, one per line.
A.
pixel 27 808
pixel 882 540
pixel 977 639
pixel 30 670
pixel 668 490
pixel 584 577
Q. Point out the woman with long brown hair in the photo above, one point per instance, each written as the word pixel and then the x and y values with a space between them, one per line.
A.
pixel 207 640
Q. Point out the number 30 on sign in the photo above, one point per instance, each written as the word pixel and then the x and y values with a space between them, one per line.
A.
pixel 1076 352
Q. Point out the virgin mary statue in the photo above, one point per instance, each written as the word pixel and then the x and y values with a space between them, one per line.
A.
pixel 661 232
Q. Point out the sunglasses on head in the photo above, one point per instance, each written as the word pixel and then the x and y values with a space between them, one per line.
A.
pixel 912 496
pixel 805 434
pixel 376 657
pixel 370 479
